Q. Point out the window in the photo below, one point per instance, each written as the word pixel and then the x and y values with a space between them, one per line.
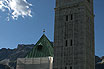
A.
pixel 66 43
pixel 65 67
pixel 70 67
pixel 39 47
pixel 71 16
pixel 71 42
pixel 66 17
pixel 88 1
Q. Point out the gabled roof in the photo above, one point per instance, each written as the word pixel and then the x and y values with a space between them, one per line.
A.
pixel 43 48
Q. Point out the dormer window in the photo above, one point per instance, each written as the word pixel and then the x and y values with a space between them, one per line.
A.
pixel 88 1
pixel 39 47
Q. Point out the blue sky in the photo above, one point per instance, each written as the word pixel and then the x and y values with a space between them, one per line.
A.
pixel 99 27
pixel 28 30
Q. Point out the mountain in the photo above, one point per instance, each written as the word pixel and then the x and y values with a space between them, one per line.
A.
pixel 12 54
pixel 97 59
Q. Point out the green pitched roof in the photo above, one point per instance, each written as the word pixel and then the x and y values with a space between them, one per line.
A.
pixel 43 48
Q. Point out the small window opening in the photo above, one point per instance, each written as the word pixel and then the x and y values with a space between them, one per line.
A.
pixel 71 16
pixel 66 17
pixel 65 67
pixel 71 42
pixel 70 67
pixel 40 47
pixel 66 43
pixel 88 1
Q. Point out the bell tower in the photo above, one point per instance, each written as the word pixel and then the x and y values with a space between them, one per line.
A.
pixel 74 35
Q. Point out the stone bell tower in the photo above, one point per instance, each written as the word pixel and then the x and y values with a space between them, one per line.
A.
pixel 74 35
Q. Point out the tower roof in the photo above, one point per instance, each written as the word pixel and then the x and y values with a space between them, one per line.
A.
pixel 43 48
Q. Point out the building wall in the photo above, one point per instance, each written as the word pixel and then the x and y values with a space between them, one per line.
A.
pixel 35 63
pixel 99 66
pixel 74 35
pixel 4 66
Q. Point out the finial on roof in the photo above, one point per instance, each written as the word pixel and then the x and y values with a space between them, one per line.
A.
pixel 43 31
